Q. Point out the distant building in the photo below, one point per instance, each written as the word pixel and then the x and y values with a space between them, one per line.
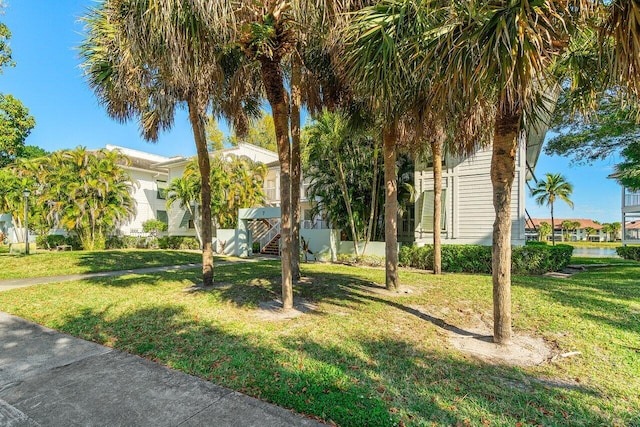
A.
pixel 580 233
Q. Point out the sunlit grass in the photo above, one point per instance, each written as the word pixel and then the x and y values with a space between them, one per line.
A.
pixel 45 263
pixel 363 357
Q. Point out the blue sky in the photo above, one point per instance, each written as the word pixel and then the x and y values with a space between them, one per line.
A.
pixel 48 80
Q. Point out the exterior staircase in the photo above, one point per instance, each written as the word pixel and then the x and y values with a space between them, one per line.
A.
pixel 270 241
pixel 273 247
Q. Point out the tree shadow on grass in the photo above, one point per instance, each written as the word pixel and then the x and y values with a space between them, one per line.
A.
pixel 601 296
pixel 360 380
pixel 115 260
pixel 148 279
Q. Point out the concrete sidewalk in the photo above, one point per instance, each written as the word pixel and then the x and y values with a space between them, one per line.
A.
pixel 51 379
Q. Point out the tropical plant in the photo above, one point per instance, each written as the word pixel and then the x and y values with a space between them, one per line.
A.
pixel 589 231
pixel 154 226
pixel 15 126
pixel 185 191
pixel 87 192
pixel 342 169
pixel 548 191
pixel 544 230
pixel 567 226
pixel 236 183
pixel 143 58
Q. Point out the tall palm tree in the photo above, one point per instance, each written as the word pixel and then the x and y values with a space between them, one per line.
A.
pixel 547 191
pixel 381 62
pixel 185 191
pixel 145 57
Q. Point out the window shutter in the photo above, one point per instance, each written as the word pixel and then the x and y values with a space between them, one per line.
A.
pixel 184 223
pixel 426 212
pixel 162 216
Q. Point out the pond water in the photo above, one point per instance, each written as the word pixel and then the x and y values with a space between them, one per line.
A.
pixel 595 252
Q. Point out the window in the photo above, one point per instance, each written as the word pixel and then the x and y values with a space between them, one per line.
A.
pixel 162 190
pixel 186 221
pixel 162 216
pixel 425 213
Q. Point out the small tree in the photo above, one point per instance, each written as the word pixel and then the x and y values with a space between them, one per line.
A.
pixel 154 227
pixel 590 231
pixel 544 229
pixel 548 190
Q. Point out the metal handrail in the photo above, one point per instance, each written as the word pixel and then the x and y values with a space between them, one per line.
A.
pixel 270 235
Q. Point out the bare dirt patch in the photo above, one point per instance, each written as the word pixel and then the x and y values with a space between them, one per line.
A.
pixel 376 288
pixel 478 342
pixel 272 310
pixel 198 287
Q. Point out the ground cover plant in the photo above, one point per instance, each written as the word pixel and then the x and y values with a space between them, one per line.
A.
pixel 44 263
pixel 363 356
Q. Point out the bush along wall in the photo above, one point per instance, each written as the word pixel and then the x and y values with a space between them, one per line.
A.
pixel 629 252
pixel 528 259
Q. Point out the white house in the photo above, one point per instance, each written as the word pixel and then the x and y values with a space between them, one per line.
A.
pixel 467 196
pixel 630 216
pixel 149 189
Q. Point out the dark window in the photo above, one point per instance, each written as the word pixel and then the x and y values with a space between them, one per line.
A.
pixel 162 216
pixel 162 190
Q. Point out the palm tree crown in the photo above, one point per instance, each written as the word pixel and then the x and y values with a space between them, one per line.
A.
pixel 547 191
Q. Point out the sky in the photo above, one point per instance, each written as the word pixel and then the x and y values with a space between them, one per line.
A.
pixel 48 80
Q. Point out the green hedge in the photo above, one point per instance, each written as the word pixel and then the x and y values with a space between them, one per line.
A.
pixel 528 259
pixel 629 252
pixel 178 242
pixel 52 241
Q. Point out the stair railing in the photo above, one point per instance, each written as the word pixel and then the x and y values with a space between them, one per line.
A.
pixel 270 235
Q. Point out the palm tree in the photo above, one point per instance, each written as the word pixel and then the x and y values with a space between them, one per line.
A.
pixel 544 229
pixel 615 229
pixel 145 57
pixel 88 191
pixel 185 191
pixel 547 191
pixel 566 228
pixel 384 64
pixel 589 231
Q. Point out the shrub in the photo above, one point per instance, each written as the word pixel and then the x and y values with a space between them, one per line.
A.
pixel 365 260
pixel 629 252
pixel 528 259
pixel 52 241
pixel 178 242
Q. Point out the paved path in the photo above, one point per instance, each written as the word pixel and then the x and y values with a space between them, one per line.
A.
pixel 51 379
pixel 7 284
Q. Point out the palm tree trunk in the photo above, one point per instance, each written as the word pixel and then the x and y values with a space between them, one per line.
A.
pixel 390 206
pixel 436 150
pixel 197 118
pixel 273 82
pixel 374 199
pixel 505 142
pixel 296 100
pixel 553 228
pixel 347 202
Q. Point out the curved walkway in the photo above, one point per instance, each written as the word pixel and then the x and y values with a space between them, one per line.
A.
pixel 7 284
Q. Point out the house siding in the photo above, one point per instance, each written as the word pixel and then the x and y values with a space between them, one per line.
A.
pixel 469 203
pixel 145 194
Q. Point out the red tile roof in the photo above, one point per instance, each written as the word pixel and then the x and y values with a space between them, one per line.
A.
pixel 632 225
pixel 584 223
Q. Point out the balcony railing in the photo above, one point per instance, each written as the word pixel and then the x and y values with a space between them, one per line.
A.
pixel 632 199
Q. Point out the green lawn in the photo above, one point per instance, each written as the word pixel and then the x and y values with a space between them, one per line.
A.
pixel 365 358
pixel 44 263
